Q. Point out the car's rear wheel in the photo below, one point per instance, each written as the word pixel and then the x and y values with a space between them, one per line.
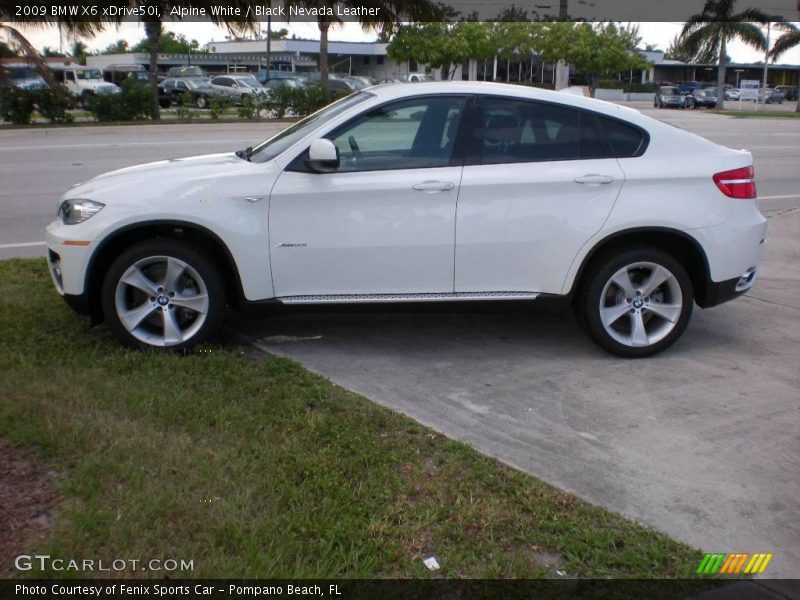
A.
pixel 202 102
pixel 163 294
pixel 636 302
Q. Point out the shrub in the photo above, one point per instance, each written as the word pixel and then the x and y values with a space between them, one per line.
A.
pixel 217 106
pixel 133 102
pixel 280 101
pixel 53 104
pixel 16 105
pixel 248 109
pixel 184 108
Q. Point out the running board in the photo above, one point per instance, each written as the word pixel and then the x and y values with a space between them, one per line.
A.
pixel 368 298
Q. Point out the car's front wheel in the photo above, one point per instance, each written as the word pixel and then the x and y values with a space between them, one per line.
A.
pixel 202 102
pixel 636 302
pixel 163 294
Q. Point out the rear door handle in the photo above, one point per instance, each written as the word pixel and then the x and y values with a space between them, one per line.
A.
pixel 434 186
pixel 594 179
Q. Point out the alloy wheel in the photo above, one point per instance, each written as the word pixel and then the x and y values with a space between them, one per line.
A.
pixel 641 304
pixel 161 301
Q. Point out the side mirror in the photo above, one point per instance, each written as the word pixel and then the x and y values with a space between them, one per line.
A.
pixel 323 156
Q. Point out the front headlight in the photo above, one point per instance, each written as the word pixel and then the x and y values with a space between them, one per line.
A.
pixel 76 211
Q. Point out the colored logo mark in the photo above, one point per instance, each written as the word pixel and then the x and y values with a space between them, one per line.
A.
pixel 734 564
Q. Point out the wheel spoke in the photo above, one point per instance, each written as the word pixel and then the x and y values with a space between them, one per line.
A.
pixel 611 314
pixel 172 331
pixel 638 332
pixel 670 312
pixel 133 317
pixel 136 278
pixel 197 303
pixel 623 281
pixel 658 276
pixel 175 269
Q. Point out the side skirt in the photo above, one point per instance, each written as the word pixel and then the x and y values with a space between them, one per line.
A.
pixel 371 298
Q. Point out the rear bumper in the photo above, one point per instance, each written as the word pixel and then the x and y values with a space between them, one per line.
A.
pixel 717 292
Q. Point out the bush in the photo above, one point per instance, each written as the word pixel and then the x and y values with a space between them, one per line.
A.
pixel 53 104
pixel 279 102
pixel 133 102
pixel 217 106
pixel 184 108
pixel 248 109
pixel 16 105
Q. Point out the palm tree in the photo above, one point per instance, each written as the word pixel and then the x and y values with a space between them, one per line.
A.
pixel 389 15
pixel 787 41
pixel 717 25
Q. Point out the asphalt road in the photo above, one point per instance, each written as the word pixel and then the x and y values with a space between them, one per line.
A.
pixel 701 442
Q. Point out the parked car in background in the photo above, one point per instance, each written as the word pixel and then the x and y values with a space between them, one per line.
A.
pixel 733 94
pixel 286 83
pixel 199 89
pixel 447 191
pixel 83 82
pixel 671 97
pixel 790 92
pixel 118 73
pixel 417 77
pixel 186 71
pixel 393 80
pixel 238 86
pixel 706 97
pixel 24 77
pixel 770 96
pixel 360 82
pixel 687 87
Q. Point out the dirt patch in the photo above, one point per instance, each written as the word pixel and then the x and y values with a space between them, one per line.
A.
pixel 27 502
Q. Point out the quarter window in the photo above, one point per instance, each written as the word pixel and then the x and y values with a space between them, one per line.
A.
pixel 409 134
pixel 625 140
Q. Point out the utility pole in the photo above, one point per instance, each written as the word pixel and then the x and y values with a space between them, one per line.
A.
pixel 269 47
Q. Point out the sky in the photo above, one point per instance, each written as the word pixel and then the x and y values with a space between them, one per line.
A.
pixel 659 34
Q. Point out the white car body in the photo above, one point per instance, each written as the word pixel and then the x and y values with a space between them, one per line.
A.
pixel 83 81
pixel 462 231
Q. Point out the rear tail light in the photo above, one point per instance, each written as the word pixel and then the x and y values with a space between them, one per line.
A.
pixel 737 183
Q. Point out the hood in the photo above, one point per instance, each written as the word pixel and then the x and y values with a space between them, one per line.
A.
pixel 98 85
pixel 165 181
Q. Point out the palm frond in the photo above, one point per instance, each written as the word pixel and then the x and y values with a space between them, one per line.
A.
pixel 786 42
pixel 749 33
pixel 29 54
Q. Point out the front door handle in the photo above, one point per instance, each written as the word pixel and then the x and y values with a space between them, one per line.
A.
pixel 434 186
pixel 594 179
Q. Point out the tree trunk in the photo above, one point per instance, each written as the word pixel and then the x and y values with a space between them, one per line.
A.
pixel 153 31
pixel 323 57
pixel 723 60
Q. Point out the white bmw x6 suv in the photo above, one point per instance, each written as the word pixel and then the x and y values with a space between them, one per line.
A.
pixel 431 192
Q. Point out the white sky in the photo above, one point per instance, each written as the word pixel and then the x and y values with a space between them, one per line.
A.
pixel 659 34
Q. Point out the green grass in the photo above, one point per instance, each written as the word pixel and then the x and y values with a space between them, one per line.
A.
pixel 251 466
pixel 763 114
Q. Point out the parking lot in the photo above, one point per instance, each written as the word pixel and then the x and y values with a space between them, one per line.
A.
pixel 700 442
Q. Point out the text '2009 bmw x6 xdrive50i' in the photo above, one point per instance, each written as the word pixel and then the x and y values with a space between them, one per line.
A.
pixel 430 192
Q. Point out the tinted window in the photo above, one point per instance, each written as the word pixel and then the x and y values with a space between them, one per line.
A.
pixel 524 131
pixel 222 81
pixel 625 140
pixel 408 134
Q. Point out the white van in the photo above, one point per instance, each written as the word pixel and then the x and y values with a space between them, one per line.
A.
pixel 83 82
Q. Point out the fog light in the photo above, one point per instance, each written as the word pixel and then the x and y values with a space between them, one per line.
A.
pixel 747 280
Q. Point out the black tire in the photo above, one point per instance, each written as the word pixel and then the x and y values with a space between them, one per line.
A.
pixel 85 100
pixel 596 286
pixel 202 102
pixel 200 274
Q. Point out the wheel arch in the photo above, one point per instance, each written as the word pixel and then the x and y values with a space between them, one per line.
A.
pixel 122 238
pixel 686 249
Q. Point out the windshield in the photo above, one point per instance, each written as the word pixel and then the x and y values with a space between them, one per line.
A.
pixel 23 73
pixel 198 84
pixel 669 91
pixel 275 145
pixel 88 74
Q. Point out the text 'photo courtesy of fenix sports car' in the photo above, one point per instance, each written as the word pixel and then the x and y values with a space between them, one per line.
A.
pixel 440 191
